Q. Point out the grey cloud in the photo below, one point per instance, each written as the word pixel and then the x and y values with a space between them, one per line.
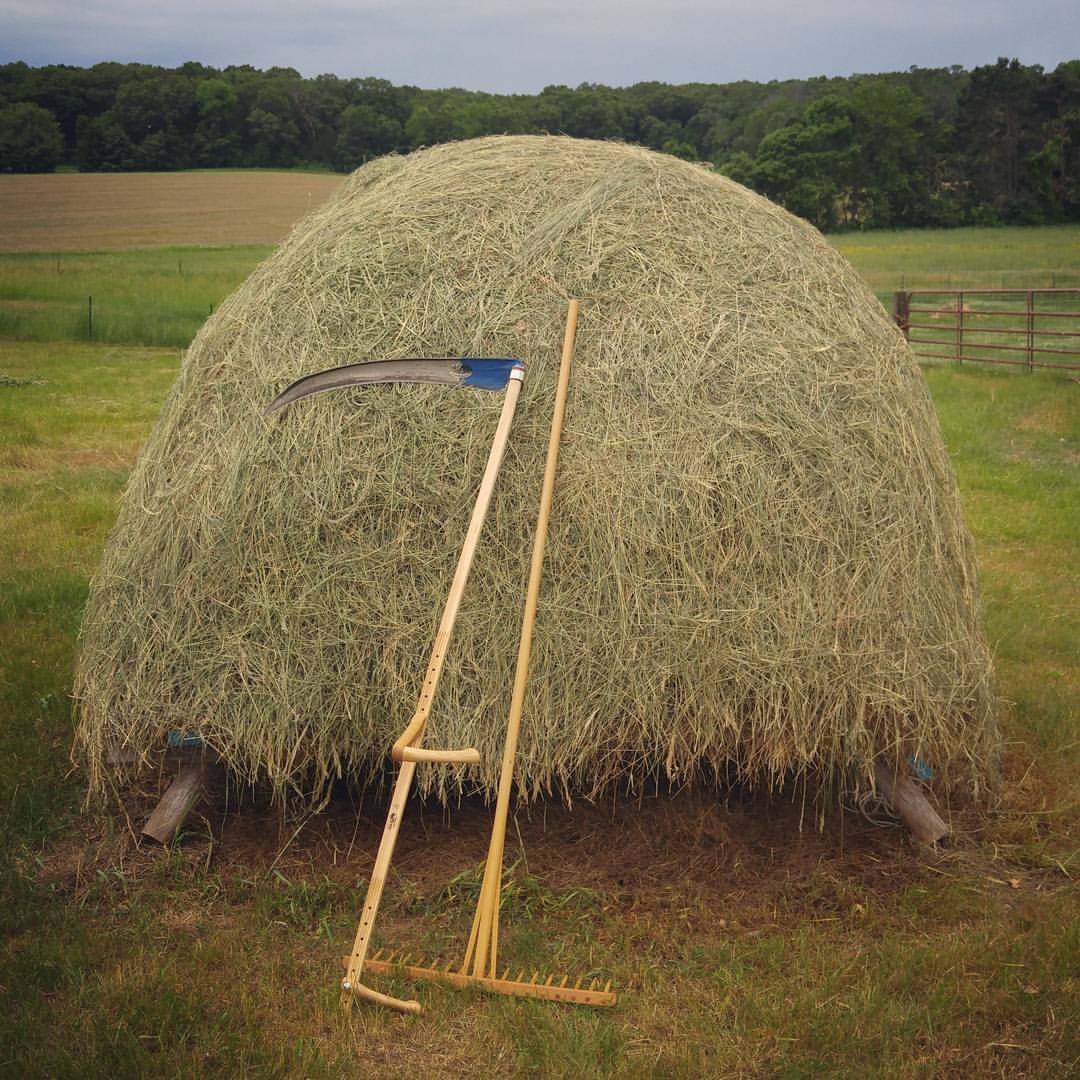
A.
pixel 521 46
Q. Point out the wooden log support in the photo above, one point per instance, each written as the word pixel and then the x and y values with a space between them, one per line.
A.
pixel 909 804
pixel 178 801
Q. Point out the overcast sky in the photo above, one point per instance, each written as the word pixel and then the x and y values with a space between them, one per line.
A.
pixel 522 46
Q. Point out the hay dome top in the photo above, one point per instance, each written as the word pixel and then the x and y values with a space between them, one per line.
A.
pixel 757 561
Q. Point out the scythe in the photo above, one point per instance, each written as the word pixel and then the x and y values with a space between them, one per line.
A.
pixel 481 374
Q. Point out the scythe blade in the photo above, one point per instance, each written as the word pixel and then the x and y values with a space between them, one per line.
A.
pixel 479 373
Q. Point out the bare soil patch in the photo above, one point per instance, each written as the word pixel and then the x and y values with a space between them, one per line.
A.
pixel 744 863
pixel 749 859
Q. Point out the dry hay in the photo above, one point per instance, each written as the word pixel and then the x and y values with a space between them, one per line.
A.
pixel 757 562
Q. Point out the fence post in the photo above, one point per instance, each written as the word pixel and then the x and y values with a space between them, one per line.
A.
pixel 1031 329
pixel 901 305
pixel 90 318
pixel 960 327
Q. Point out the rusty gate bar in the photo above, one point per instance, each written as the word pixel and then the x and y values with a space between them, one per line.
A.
pixel 973 335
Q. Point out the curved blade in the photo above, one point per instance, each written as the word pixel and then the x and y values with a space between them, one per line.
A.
pixel 479 373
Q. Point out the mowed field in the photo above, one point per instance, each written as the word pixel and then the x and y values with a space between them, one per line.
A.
pixel 1001 258
pixel 740 945
pixel 114 211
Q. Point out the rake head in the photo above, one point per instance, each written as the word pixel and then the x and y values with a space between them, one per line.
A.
pixel 581 992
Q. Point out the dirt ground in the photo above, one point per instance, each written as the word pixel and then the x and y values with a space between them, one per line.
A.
pixel 749 860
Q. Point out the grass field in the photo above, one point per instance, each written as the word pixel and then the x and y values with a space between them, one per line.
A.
pixel 151 296
pixel 1005 258
pixel 160 293
pixel 740 946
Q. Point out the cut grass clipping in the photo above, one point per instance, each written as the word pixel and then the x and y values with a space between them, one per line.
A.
pixel 757 566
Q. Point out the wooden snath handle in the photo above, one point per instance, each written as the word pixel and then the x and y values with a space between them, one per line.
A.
pixel 406 748
pixel 351 984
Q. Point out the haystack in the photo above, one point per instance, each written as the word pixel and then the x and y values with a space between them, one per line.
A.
pixel 757 565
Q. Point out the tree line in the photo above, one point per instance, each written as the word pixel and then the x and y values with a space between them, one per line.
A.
pixel 925 147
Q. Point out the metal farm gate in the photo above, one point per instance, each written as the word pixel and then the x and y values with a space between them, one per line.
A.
pixel 1027 327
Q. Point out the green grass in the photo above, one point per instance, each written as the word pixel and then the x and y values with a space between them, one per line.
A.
pixel 71 420
pixel 1014 440
pixel 1001 258
pixel 184 965
pixel 739 946
pixel 159 296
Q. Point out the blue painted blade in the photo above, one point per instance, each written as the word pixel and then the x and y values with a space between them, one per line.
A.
pixel 922 769
pixel 182 740
pixel 488 373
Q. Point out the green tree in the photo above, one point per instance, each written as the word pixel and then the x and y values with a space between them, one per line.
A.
pixel 806 166
pixel 271 131
pixel 215 100
pixel 365 134
pixel 1056 163
pixel 737 166
pixel 427 126
pixel 30 139
pixel 1002 114
pixel 886 174
pixel 594 111
pixel 935 146
pixel 16 80
pixel 158 113
pixel 491 114
pixel 546 109
pixel 384 97
pixel 274 138
pixel 217 138
pixel 71 93
pixel 102 145
pixel 317 106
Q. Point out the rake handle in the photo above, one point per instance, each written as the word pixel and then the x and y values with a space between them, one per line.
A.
pixel 484 937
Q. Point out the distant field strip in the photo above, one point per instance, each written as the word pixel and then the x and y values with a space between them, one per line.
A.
pixel 110 211
pixel 143 258
pixel 1013 257
pixel 154 296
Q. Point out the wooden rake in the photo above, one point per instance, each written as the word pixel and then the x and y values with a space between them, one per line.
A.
pixel 481 958
pixel 480 968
